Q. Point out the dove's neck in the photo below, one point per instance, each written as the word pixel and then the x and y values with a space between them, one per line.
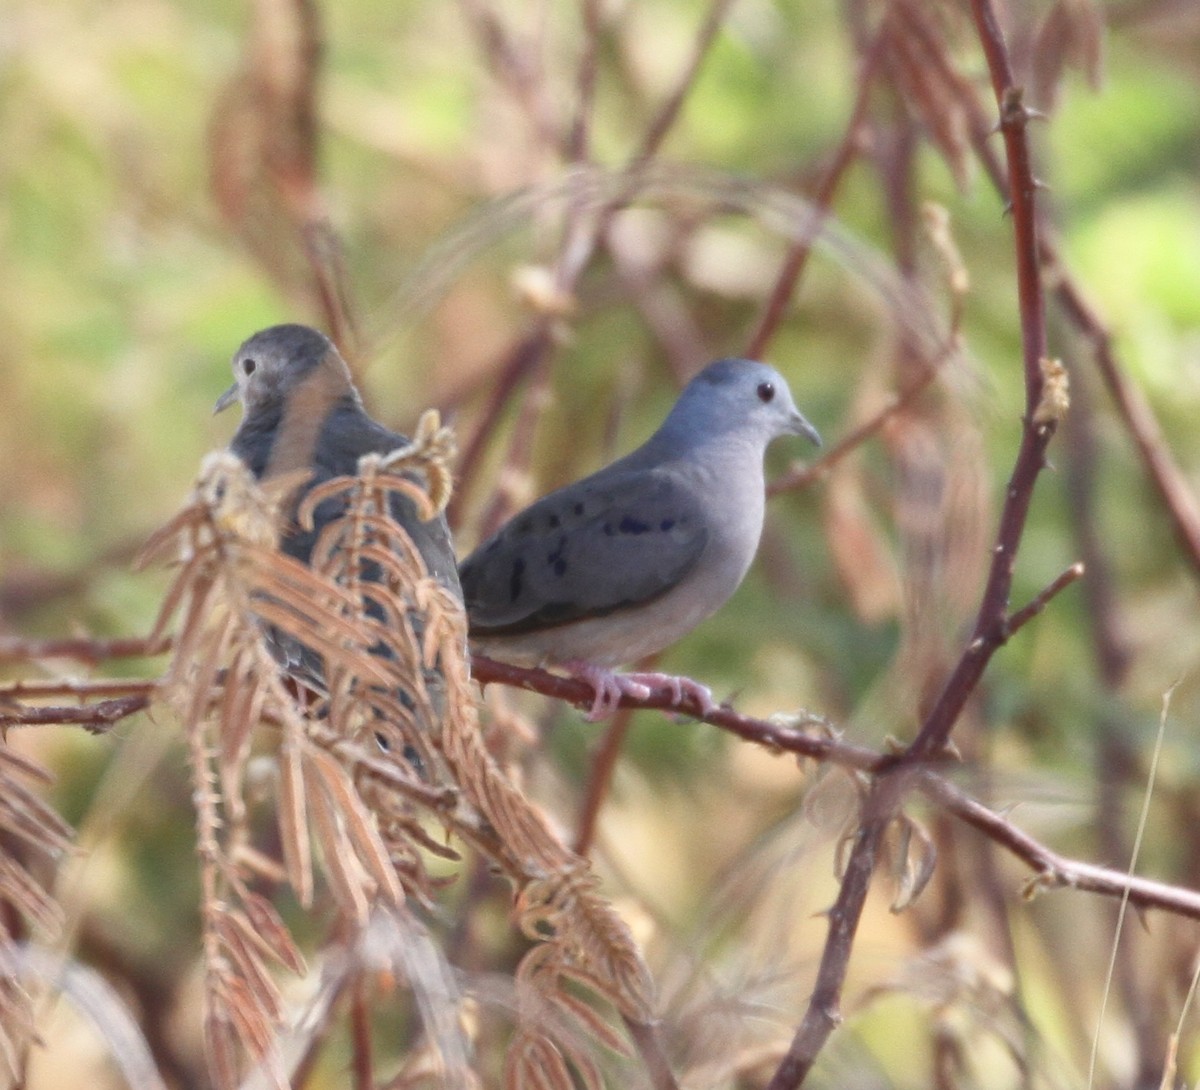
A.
pixel 283 438
pixel 715 442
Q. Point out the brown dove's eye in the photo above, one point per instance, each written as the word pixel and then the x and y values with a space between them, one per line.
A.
pixel 766 392
pixel 251 365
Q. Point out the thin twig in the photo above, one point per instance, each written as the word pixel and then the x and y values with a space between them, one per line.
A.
pixel 84 649
pixel 1037 431
pixel 647 1039
pixel 98 718
pixel 1183 510
pixel 579 139
pixel 599 780
pixel 1054 871
pixel 668 112
pixel 851 147
pixel 39 689
pixel 801 476
pixel 1039 602
pixel 523 357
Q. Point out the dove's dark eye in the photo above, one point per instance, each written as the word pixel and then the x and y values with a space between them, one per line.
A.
pixel 766 392
pixel 251 365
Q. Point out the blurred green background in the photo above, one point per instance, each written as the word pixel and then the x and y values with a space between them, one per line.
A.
pixel 127 280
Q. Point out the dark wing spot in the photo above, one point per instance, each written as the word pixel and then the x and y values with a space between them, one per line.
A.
pixel 630 525
pixel 515 580
pixel 579 508
pixel 552 522
pixel 666 524
pixel 523 525
pixel 555 557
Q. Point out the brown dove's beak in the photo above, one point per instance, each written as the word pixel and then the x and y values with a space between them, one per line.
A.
pixel 226 399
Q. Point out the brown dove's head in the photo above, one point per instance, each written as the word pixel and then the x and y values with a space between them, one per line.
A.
pixel 277 362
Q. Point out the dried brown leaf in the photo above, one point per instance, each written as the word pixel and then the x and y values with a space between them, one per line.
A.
pixel 255 1032
pixel 919 64
pixel 913 860
pixel 358 822
pixel 591 1021
pixel 1071 35
pixel 535 1063
pixel 293 819
pixel 19 888
pixel 241 707
pixel 12 761
pixel 347 877
pixel 247 965
pixel 267 930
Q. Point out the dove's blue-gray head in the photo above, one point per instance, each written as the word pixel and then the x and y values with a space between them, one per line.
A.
pixel 735 399
pixel 271 365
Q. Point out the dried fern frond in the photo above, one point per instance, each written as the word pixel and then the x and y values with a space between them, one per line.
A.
pixel 237 602
pixel 28 827
pixel 359 665
pixel 583 940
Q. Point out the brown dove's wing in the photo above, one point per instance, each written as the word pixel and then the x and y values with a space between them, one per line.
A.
pixel 347 434
pixel 608 543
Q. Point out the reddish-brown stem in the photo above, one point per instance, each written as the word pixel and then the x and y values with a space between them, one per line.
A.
pixel 1134 409
pixel 847 151
pixel 824 1015
pixel 98 718
pixel 522 358
pixel 804 475
pixel 360 1033
pixel 604 763
pixel 1054 871
pixel 1031 609
pixel 1139 418
pixel 820 744
pixel 578 140
pixel 513 68
pixel 992 622
pixel 84 649
pixel 647 1040
pixel 39 689
pixel 661 124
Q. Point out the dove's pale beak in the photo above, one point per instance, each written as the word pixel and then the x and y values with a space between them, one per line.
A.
pixel 802 427
pixel 226 399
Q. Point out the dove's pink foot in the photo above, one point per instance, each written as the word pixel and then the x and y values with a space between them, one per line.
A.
pixel 611 686
pixel 680 687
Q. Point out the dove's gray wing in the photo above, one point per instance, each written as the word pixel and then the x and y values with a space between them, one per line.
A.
pixel 608 543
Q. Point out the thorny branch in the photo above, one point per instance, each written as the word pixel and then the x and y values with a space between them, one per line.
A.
pixel 993 622
pixel 801 735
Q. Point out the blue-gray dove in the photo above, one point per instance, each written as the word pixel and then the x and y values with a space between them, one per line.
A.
pixel 301 411
pixel 623 563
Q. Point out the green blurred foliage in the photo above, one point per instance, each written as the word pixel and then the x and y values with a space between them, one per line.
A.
pixel 123 294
